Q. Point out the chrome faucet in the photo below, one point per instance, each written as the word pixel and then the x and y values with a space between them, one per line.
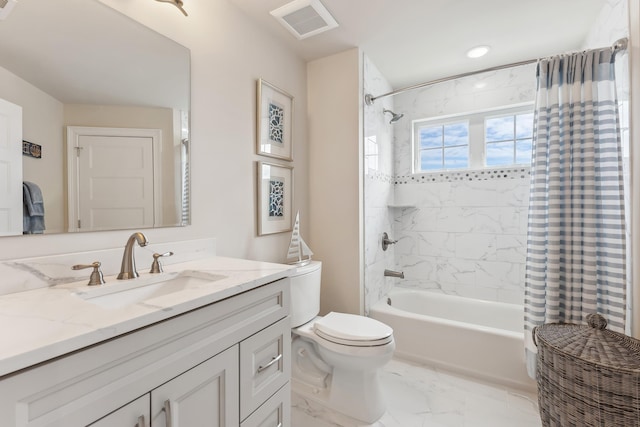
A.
pixel 128 268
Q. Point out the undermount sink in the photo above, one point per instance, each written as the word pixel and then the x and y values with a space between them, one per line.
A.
pixel 127 292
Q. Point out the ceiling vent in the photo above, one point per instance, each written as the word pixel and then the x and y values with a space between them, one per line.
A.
pixel 5 7
pixel 304 18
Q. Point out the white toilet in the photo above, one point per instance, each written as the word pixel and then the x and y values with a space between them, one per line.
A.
pixel 336 357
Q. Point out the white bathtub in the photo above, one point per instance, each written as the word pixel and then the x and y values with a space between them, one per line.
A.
pixel 477 338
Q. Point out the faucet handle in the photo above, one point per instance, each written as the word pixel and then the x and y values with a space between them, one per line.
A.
pixel 386 241
pixel 96 277
pixel 156 267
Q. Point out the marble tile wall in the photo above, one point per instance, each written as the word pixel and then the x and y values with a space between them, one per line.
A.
pixel 464 232
pixel 378 186
pixel 464 237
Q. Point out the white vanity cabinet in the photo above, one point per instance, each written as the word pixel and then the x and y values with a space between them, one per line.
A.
pixel 226 364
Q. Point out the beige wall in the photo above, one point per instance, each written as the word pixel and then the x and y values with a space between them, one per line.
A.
pixel 335 183
pixel 228 54
pixel 42 125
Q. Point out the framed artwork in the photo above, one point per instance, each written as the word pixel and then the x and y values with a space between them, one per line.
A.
pixel 275 122
pixel 275 198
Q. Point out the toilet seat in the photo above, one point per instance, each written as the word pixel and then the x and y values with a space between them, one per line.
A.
pixel 352 330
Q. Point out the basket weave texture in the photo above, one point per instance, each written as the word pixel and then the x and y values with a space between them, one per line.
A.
pixel 587 375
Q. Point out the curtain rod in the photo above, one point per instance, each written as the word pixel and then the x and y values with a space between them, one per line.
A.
pixel 620 44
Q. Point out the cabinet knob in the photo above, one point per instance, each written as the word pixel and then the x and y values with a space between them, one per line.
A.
pixel 141 422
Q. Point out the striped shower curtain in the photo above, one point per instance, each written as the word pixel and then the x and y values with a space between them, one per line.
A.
pixel 576 261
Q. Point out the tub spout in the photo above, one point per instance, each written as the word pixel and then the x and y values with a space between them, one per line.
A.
pixel 393 273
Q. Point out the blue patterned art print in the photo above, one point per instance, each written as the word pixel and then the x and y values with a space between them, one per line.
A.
pixel 276 123
pixel 276 198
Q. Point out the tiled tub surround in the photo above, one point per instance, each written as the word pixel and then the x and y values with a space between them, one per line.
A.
pixel 475 93
pixel 465 237
pixel 49 321
pixel 462 232
pixel 378 187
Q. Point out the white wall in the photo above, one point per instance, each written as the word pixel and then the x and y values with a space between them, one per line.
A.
pixel 229 53
pixel 335 145
pixel 42 117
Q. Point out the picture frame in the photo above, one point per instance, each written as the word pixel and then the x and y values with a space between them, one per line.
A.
pixel 274 126
pixel 275 198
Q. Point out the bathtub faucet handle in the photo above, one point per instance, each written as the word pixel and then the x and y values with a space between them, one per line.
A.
pixel 386 241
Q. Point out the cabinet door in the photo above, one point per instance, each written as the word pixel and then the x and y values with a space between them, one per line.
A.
pixel 265 365
pixel 275 412
pixel 135 414
pixel 204 396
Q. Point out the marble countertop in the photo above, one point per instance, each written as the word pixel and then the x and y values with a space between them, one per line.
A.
pixel 42 324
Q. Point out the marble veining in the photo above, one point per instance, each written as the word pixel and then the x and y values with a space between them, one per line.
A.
pixel 420 396
pixel 378 186
pixel 461 232
pixel 46 322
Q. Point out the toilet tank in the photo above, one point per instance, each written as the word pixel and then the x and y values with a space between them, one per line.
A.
pixel 305 293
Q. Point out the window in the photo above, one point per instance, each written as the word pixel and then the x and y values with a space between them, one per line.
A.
pixel 444 146
pixel 508 139
pixel 498 137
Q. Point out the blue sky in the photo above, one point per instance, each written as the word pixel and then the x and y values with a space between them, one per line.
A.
pixel 452 141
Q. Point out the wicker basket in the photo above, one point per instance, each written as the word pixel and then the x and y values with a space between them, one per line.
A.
pixel 587 376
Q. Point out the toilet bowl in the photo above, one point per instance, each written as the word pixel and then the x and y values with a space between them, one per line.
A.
pixel 336 358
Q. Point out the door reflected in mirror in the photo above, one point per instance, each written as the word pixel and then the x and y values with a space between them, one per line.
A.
pixel 80 65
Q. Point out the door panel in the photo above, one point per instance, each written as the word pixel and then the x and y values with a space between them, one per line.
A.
pixel 205 396
pixel 115 184
pixel 10 169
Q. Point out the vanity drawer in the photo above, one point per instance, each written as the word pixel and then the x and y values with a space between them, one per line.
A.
pixel 265 365
pixel 275 412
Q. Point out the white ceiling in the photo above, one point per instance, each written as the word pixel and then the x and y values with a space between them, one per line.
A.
pixel 88 53
pixel 412 41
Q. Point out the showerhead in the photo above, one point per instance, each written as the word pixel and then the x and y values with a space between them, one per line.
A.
pixel 394 117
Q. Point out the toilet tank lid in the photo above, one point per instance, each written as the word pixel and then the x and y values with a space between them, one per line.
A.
pixel 352 327
pixel 308 268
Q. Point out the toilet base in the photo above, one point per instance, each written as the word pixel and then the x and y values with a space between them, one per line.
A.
pixel 340 378
pixel 356 394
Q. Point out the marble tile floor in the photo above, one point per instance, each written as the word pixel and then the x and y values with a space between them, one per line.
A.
pixel 419 396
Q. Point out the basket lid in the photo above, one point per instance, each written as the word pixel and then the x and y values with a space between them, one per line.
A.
pixel 591 343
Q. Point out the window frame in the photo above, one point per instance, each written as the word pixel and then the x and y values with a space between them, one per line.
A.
pixel 477 145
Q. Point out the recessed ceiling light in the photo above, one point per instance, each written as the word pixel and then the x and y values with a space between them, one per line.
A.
pixel 478 51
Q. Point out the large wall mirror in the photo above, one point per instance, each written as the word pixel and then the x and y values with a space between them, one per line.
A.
pixel 107 100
